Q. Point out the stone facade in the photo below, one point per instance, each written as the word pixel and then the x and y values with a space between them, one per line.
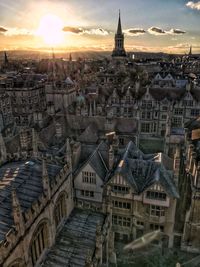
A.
pixel 42 198
pixel 190 193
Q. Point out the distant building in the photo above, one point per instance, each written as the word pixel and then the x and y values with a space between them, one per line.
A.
pixel 119 50
pixel 27 96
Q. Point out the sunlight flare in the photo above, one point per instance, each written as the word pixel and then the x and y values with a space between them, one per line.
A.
pixel 50 29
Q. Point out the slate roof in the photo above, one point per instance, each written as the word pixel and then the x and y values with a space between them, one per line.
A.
pixel 97 160
pixel 75 240
pixel 90 134
pixel 25 177
pixel 141 171
pixel 157 92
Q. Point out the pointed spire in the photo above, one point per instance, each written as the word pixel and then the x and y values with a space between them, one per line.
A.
pixel 70 57
pixel 45 179
pixel 17 213
pixel 119 27
pixel 5 58
pixel 190 52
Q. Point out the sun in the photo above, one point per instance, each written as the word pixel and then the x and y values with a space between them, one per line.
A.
pixel 50 29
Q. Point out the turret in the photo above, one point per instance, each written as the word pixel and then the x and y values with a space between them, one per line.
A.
pixel 45 180
pixel 5 58
pixel 68 153
pixel 17 213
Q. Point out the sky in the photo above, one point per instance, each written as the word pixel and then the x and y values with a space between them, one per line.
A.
pixel 149 25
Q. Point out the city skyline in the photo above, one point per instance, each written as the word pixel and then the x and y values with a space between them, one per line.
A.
pixel 150 26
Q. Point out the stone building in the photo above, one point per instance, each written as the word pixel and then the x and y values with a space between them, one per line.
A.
pixel 90 177
pixel 27 96
pixel 160 111
pixel 38 209
pixel 143 195
pixel 6 115
pixel 140 188
pixel 188 212
pixel 36 197
pixel 60 95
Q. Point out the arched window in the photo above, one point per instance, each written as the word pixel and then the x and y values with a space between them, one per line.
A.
pixel 60 209
pixel 39 242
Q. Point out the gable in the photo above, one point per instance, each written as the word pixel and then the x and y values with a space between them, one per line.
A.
pixel 119 180
pixel 188 96
pixel 156 187
pixel 86 168
pixel 158 77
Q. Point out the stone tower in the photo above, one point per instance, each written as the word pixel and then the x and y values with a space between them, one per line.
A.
pixel 119 50
pixel 190 51
pixel 5 58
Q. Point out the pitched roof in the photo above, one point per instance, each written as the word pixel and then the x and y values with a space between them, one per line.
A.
pixel 76 239
pixel 142 171
pixel 97 161
pixel 26 178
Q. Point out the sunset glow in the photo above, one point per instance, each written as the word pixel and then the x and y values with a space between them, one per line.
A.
pixel 50 29
pixel 148 25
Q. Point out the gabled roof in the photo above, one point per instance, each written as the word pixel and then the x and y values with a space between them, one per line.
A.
pixel 97 161
pixel 142 171
pixel 90 134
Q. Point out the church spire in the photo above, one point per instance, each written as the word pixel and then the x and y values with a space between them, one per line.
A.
pixel 119 50
pixel 119 27
pixel 5 58
pixel 190 52
pixel 70 57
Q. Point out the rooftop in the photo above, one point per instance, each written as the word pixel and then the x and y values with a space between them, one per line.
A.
pixel 26 178
pixel 76 239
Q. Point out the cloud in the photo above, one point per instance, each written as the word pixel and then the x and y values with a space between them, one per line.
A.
pixel 156 31
pixel 193 5
pixel 76 30
pixel 73 30
pixel 134 32
pixel 98 31
pixel 2 29
pixel 176 32
pixel 18 31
